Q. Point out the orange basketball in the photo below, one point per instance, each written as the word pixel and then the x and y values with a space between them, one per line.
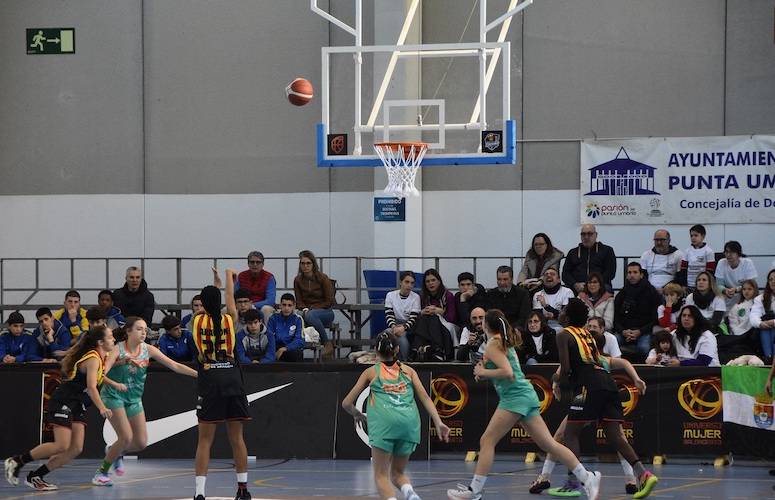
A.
pixel 299 92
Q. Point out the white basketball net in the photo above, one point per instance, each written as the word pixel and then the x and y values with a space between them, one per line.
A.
pixel 401 160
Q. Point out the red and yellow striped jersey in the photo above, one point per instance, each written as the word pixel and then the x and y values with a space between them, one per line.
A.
pixel 587 347
pixel 210 349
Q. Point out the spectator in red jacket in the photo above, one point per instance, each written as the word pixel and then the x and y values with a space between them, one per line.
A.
pixel 260 283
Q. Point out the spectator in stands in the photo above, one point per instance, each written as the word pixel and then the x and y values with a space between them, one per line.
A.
pixel 254 342
pixel 694 342
pixel 176 343
pixel 472 338
pixel 635 313
pixel 134 298
pixel 287 328
pixel 599 300
pixel 739 316
pixel 53 338
pixel 663 261
pixel 539 340
pixel 732 270
pixel 196 308
pixel 73 316
pixel 589 256
pixel 763 316
pixel 244 304
pixel 664 352
pixel 708 300
pixel 315 297
pixel 667 314
pixel 469 295
pixel 605 340
pixel 552 299
pixel 96 317
pixel 402 307
pixel 698 256
pixel 541 256
pixel 260 283
pixel 436 300
pixel 113 316
pixel 16 344
pixel 512 300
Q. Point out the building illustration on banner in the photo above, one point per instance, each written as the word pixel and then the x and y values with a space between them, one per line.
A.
pixel 622 177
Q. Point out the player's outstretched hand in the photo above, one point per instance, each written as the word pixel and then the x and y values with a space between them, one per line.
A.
pixel 216 278
pixel 641 386
pixel 442 431
pixel 360 418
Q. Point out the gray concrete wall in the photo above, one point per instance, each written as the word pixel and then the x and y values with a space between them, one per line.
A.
pixel 186 96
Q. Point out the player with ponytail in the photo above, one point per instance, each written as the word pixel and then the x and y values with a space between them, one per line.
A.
pixel 393 418
pixel 518 403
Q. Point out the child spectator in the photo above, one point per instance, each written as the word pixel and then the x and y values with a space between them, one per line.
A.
pixel 708 300
pixel 698 257
pixel 287 329
pixel 402 307
pixel 739 316
pixel 16 344
pixel 254 342
pixel 763 316
pixel 176 343
pixel 73 316
pixel 196 308
pixel 663 353
pixel 674 301
pixel 114 318
pixel 54 339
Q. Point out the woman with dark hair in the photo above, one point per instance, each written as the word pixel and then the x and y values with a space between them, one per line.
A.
pixel 708 300
pixel 763 316
pixel 314 297
pixel 539 342
pixel 541 256
pixel 437 300
pixel 732 270
pixel 599 301
pixel 694 342
pixel 221 396
pixel 517 403
pixel 82 375
pixel 392 417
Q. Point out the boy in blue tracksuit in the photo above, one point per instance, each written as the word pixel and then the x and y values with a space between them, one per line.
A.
pixel 255 344
pixel 288 330
pixel 176 343
pixel 113 316
pixel 17 345
pixel 53 337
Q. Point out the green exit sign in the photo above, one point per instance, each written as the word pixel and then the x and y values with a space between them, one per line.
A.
pixel 50 40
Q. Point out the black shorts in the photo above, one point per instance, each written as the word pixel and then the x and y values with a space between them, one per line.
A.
pixel 65 413
pixel 217 408
pixel 595 405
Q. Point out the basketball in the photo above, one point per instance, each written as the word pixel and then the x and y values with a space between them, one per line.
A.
pixel 299 92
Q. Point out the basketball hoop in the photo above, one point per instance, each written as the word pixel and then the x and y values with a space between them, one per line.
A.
pixel 401 160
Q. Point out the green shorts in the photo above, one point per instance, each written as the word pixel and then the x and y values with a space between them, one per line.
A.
pixel 396 447
pixel 527 406
pixel 131 407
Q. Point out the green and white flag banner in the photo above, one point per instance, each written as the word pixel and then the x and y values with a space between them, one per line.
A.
pixel 745 401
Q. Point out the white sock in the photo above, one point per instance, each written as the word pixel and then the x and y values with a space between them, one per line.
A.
pixel 392 498
pixel 242 477
pixel 407 490
pixel 627 468
pixel 200 485
pixel 477 483
pixel 549 465
pixel 581 473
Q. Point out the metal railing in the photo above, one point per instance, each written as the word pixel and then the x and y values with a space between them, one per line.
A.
pixel 173 286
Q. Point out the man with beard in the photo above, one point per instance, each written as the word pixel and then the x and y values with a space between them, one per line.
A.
pixel 635 313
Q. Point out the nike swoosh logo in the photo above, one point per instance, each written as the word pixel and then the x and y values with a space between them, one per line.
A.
pixel 163 428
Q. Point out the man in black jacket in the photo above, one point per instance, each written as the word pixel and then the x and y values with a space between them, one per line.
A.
pixel 635 313
pixel 590 256
pixel 514 301
pixel 134 299
pixel 470 295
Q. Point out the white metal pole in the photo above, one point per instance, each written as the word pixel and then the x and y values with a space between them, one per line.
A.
pixel 482 64
pixel 324 76
pixel 358 147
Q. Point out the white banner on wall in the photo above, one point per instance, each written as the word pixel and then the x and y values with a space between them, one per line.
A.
pixel 678 180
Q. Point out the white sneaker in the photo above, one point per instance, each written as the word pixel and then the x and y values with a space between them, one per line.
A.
pixel 463 492
pixel 101 479
pixel 413 496
pixel 12 471
pixel 40 484
pixel 592 485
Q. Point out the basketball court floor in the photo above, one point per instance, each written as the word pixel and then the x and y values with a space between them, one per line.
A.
pixel 341 479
